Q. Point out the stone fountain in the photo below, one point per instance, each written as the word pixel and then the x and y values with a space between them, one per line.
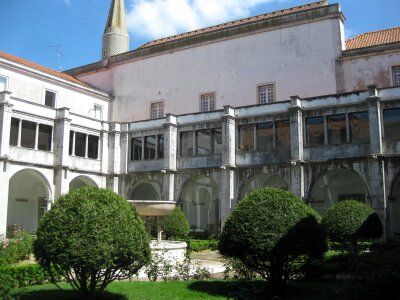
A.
pixel 173 250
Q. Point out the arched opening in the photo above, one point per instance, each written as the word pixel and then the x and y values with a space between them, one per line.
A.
pixel 262 180
pixel 337 185
pixel 81 181
pixel 28 199
pixel 146 190
pixel 200 203
pixel 394 205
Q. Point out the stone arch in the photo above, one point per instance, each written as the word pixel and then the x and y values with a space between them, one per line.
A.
pixel 262 180
pixel 81 181
pixel 394 207
pixel 337 185
pixel 145 190
pixel 29 197
pixel 199 200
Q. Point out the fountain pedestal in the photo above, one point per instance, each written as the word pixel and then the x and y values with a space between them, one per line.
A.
pixel 171 250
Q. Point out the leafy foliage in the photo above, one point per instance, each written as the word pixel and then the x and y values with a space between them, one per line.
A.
pixel 16 249
pixel 268 230
pixel 350 221
pixel 201 245
pixel 91 237
pixel 175 226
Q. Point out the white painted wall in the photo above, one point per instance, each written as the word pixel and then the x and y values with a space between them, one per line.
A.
pixel 359 72
pixel 300 60
pixel 32 88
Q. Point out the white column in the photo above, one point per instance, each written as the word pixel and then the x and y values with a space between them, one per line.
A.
pixel 86 145
pixel 73 143
pixel 5 122
pixel 116 157
pixel 37 137
pixel 19 133
pixel 52 140
pixel 3 198
pixel 169 163
pixel 103 144
pixel 296 147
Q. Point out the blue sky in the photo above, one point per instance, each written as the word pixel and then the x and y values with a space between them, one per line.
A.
pixel 30 28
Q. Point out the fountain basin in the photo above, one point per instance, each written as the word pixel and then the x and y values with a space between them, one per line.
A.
pixel 173 251
pixel 153 208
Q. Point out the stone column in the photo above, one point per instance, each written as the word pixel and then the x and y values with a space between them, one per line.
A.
pixel 62 126
pixel 170 153
pixel 4 181
pixel 296 147
pixel 226 188
pixel 5 123
pixel 116 155
pixel 377 164
pixel 103 151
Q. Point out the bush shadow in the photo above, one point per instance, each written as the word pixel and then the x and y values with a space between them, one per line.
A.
pixel 64 295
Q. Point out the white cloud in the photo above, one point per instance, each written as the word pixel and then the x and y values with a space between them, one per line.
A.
pixel 349 33
pixel 152 19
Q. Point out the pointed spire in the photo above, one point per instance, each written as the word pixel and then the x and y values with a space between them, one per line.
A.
pixel 116 36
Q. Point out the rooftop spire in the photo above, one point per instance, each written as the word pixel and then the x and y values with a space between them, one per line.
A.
pixel 116 36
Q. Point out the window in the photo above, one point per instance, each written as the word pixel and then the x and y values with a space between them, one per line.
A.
pixel 337 129
pixel 246 137
pixel 186 139
pixel 50 99
pixel 3 83
pixel 207 102
pixel 157 110
pixel 136 148
pixel 265 93
pixel 391 123
pixel 265 136
pixel 14 132
pixel 315 131
pixel 28 133
pixel 160 147
pixel 282 133
pixel 204 142
pixel 359 127
pixel 217 136
pixel 45 137
pixel 80 144
pixel 396 75
pixel 93 146
pixel 98 112
pixel 150 147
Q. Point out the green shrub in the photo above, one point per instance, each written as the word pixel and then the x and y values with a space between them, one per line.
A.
pixel 5 287
pixel 25 275
pixel 175 226
pixel 201 245
pixel 350 221
pixel 16 249
pixel 268 230
pixel 91 237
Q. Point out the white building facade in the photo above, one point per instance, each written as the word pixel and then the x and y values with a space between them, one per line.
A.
pixel 206 117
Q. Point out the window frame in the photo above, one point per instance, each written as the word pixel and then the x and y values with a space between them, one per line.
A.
pixel 266 84
pixel 6 84
pixel 55 97
pixel 209 106
pixel 101 111
pixel 397 68
pixel 151 109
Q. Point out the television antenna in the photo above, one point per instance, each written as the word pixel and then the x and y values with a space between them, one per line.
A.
pixel 58 49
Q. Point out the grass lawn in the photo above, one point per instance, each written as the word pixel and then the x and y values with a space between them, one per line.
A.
pixel 210 289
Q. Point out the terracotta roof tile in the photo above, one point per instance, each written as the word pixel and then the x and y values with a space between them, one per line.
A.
pixel 374 38
pixel 40 68
pixel 236 23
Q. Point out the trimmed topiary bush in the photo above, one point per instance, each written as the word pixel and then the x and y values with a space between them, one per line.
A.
pixel 350 221
pixel 268 230
pixel 175 226
pixel 91 237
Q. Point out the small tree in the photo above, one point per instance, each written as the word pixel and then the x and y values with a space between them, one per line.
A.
pixel 175 225
pixel 350 221
pixel 268 230
pixel 91 237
